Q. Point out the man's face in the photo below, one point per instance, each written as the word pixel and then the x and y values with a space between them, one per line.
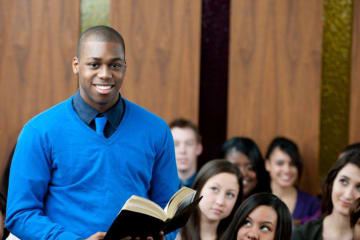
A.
pixel 101 70
pixel 187 148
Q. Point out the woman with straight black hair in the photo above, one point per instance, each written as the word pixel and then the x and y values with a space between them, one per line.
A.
pixel 219 182
pixel 340 190
pixel 284 163
pixel 262 216
pixel 244 153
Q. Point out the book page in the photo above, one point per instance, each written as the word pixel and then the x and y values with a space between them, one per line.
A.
pixel 146 206
pixel 175 201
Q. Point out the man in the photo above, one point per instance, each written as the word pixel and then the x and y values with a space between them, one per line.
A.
pixel 188 147
pixel 77 163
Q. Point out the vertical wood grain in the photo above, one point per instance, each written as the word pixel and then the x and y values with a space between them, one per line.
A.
pixel 354 129
pixel 162 40
pixel 275 75
pixel 37 41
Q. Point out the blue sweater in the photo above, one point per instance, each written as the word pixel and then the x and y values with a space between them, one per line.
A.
pixel 67 182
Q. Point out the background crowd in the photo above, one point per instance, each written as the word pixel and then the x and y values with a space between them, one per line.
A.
pixel 246 196
pixel 273 206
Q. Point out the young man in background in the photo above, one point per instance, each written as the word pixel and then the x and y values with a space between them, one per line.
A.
pixel 188 147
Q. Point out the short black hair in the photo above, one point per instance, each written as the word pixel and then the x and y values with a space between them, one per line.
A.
pixel 100 33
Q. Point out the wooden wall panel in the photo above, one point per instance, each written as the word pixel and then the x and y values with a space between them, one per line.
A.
pixel 354 128
pixel 37 41
pixel 275 75
pixel 162 40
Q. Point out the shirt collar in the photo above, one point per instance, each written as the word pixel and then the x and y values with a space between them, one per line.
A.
pixel 189 182
pixel 87 113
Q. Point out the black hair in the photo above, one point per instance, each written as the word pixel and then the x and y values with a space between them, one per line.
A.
pixel 289 147
pixel 284 221
pixel 248 147
pixel 353 158
pixel 349 148
pixel 100 33
pixel 192 229
pixel 355 212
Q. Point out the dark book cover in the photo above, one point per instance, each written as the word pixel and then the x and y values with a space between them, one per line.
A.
pixel 135 224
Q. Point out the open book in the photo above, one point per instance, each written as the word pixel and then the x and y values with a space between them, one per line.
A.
pixel 141 217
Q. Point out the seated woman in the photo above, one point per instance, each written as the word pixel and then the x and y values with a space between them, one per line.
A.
pixel 355 218
pixel 284 163
pixel 260 216
pixel 341 188
pixel 244 153
pixel 219 182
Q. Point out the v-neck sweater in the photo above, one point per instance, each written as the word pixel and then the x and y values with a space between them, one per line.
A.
pixel 68 182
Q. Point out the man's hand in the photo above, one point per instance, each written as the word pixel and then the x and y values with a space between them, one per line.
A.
pixel 162 236
pixel 97 236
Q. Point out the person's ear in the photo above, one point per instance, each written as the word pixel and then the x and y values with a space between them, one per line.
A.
pixel 75 65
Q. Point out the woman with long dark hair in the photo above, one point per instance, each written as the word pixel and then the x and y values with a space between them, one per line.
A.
pixel 340 190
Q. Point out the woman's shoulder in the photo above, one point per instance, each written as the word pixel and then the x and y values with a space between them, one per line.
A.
pixel 308 202
pixel 307 207
pixel 311 230
pixel 304 196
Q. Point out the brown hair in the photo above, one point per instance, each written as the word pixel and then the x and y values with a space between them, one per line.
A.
pixel 184 123
pixel 353 158
pixel 191 231
pixel 355 212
